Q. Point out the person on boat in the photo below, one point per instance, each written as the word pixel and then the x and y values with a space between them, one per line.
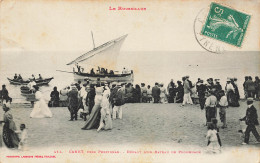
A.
pixel 106 71
pixel 55 99
pixel 40 77
pixel 78 67
pixel 92 71
pixel 111 72
pixel 33 77
pixel 10 137
pixel 125 71
pixel 40 109
pixel 102 71
pixel 19 77
pixel 94 118
pixel 4 95
pixel 31 85
pixel 73 97
pixel 15 76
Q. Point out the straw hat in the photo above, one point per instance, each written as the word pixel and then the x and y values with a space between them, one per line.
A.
pixel 250 99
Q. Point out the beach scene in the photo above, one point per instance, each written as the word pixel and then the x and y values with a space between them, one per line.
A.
pixel 129 81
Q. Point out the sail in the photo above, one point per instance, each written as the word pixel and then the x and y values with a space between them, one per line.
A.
pixel 104 55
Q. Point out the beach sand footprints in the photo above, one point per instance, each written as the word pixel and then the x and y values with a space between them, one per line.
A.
pixel 226 24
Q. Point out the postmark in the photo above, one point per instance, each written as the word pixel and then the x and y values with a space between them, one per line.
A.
pixel 205 42
pixel 226 24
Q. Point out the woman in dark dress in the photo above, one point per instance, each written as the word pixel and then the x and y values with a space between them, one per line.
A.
pixel 10 138
pixel 137 94
pixel 180 92
pixel 90 100
pixel 233 96
pixel 94 118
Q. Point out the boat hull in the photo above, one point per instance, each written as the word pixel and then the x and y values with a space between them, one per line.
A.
pixel 128 78
pixel 38 82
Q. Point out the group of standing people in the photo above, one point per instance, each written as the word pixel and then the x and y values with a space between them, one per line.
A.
pixel 12 137
pixel 96 103
pixel 252 88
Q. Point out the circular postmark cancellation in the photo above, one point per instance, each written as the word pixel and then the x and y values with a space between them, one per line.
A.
pixel 205 42
pixel 219 27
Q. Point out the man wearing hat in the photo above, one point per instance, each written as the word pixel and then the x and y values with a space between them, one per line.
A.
pixel 156 93
pixel 73 97
pixel 251 120
pixel 119 101
pixel 201 88
pixel 187 91
pixel 250 87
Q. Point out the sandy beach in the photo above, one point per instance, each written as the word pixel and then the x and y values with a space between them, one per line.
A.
pixel 143 123
pixel 144 127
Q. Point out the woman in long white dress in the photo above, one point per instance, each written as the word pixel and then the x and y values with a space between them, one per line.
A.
pixel 40 109
pixel 105 120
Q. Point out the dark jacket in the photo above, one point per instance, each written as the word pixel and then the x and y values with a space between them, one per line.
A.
pixel 249 85
pixel 156 92
pixel 251 117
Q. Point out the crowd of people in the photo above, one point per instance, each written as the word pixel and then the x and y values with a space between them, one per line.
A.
pixel 100 103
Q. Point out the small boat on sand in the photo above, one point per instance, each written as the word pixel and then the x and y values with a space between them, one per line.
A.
pixel 39 82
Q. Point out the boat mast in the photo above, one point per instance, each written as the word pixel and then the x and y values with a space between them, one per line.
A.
pixel 93 39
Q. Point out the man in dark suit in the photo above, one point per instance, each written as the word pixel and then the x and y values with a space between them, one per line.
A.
pixel 251 119
pixel 156 93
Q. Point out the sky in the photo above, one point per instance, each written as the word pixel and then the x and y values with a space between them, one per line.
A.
pixel 56 25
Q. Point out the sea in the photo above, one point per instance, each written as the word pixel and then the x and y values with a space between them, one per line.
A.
pixel 148 67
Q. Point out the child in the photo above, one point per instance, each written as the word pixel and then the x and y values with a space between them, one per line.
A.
pixel 213 144
pixel 23 137
pixel 223 104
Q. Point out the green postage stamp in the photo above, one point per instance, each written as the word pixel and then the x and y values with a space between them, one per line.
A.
pixel 226 24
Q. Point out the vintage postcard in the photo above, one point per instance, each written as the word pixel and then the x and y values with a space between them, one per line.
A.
pixel 129 81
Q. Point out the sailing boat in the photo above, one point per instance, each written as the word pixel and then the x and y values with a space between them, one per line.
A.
pixel 104 55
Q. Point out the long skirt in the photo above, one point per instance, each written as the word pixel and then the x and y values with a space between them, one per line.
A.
pixel 232 99
pixel 10 138
pixel 94 118
pixel 210 113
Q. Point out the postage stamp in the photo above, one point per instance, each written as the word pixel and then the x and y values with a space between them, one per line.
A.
pixel 226 24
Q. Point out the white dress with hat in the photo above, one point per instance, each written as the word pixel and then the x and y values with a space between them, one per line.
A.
pixel 40 109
